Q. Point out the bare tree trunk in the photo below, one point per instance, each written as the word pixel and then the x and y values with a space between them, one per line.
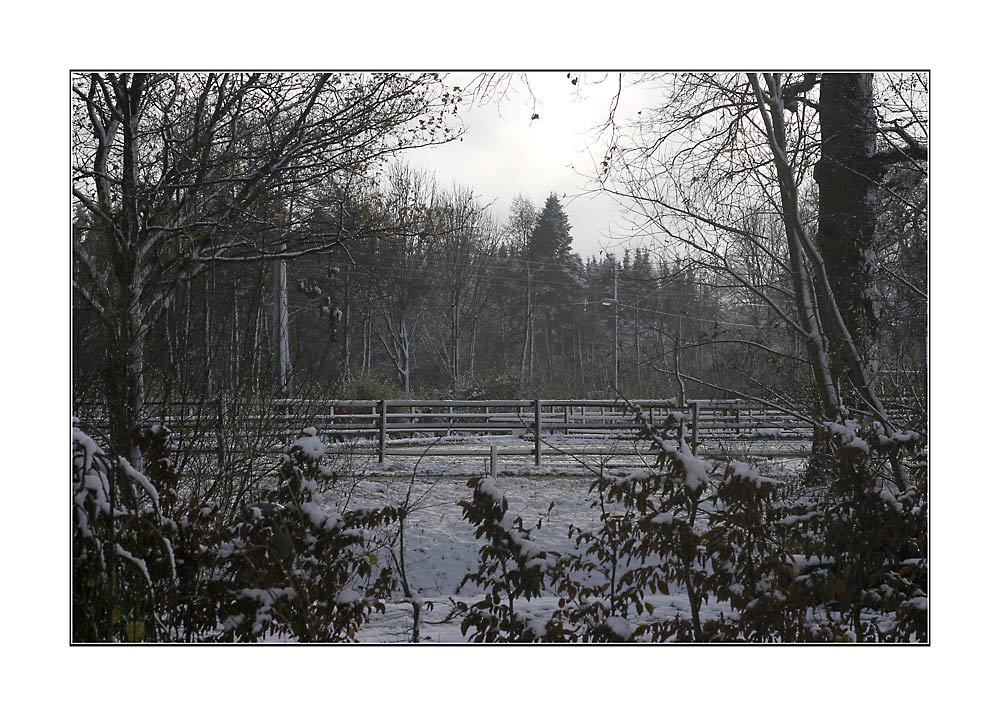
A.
pixel 345 325
pixel 526 344
pixel 802 285
pixel 531 347
pixel 282 359
pixel 578 353
pixel 638 363
pixel 846 237
pixel 185 338
pixel 366 343
pixel 503 344
pixel 548 351
pixel 124 377
pixel 208 340
pixel 405 356
pixel 234 349
pixel 171 331
pixel 800 244
pixel 472 348
pixel 255 356
pixel 455 328
pixel 126 398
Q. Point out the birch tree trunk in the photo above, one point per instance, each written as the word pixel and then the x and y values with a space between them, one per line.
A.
pixel 526 343
pixel 472 347
pixel 772 114
pixel 282 359
pixel 455 332
pixel 366 343
pixel 345 328
pixel 405 356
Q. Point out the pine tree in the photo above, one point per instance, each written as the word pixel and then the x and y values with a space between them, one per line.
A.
pixel 554 268
pixel 550 241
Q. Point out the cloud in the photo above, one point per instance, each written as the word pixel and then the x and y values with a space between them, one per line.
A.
pixel 504 152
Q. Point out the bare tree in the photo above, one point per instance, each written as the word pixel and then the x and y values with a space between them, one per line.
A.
pixel 723 148
pixel 175 171
pixel 410 202
pixel 460 265
pixel 519 227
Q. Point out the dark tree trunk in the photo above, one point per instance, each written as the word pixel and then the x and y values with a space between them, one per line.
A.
pixel 846 237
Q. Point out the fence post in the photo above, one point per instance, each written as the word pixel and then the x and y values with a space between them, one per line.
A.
pixel 538 431
pixel 694 427
pixel 493 461
pixel 381 432
pixel 566 419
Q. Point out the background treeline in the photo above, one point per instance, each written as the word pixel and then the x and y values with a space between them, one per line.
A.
pixel 457 303
pixel 253 235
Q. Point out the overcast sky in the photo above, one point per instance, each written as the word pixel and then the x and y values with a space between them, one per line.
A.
pixel 504 152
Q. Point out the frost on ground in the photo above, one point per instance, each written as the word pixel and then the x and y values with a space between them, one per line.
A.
pixel 441 549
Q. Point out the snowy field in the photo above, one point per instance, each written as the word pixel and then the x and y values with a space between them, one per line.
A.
pixel 440 548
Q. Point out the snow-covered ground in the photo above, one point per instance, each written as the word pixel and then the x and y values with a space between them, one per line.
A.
pixel 440 548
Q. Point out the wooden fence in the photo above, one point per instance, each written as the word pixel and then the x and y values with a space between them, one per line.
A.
pixel 395 427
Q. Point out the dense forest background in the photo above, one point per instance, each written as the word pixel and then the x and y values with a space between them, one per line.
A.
pixel 369 278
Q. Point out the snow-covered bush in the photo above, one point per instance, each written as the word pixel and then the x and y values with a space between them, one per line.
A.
pixel 300 570
pixel 124 562
pixel 150 565
pixel 595 582
pixel 511 567
pixel 845 563
pixel 93 542
pixel 871 529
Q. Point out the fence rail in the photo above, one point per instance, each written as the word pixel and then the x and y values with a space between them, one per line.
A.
pixel 384 426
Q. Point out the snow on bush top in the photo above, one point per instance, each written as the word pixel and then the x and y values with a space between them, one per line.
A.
pixel 619 627
pixel 489 488
pixel 847 433
pixel 311 445
pixel 741 471
pixel 695 470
